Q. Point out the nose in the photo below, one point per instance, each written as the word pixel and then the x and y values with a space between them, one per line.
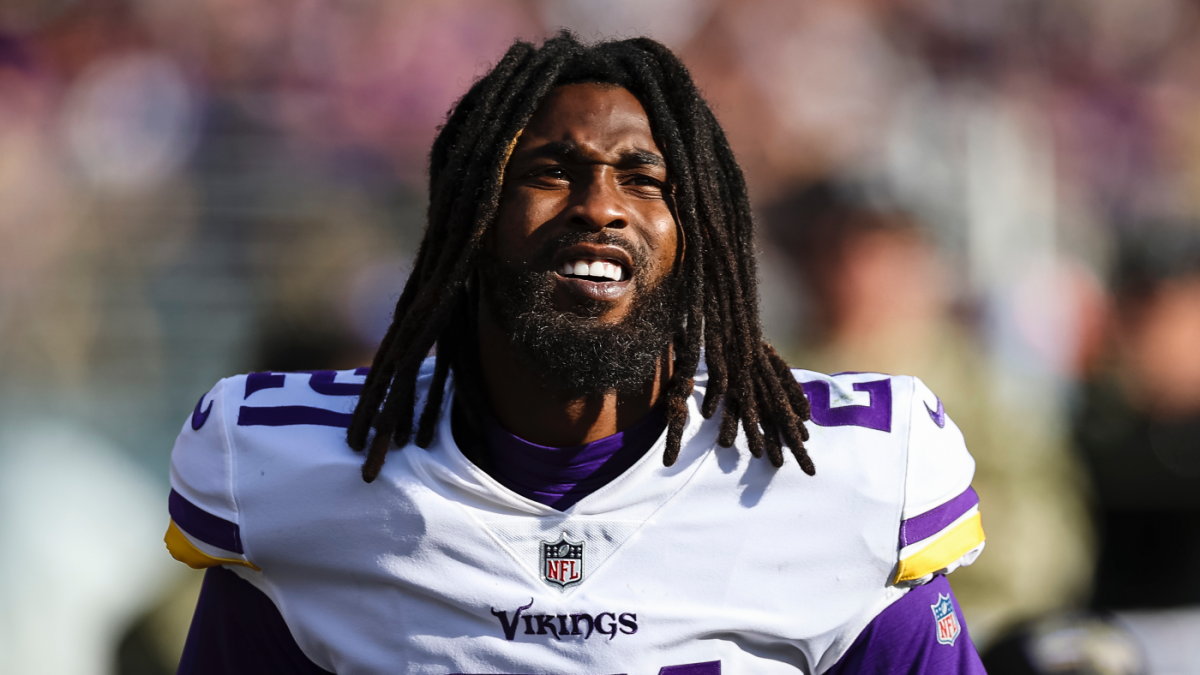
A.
pixel 598 203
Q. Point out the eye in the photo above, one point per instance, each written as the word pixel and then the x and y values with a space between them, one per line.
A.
pixel 644 183
pixel 553 171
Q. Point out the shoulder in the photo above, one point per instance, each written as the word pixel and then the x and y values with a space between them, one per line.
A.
pixel 254 407
pixel 940 525
pixel 322 398
pixel 864 400
pixel 903 407
pixel 204 530
pixel 246 420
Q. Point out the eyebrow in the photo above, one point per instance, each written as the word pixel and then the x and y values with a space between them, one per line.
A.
pixel 571 152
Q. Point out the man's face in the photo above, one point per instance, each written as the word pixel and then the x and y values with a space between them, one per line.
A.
pixel 579 266
pixel 587 164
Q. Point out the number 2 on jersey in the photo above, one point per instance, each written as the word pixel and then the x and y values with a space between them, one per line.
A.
pixel 875 415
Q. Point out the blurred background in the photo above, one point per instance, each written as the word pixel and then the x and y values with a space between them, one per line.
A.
pixel 999 196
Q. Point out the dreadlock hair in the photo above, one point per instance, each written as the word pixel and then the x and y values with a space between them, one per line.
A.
pixel 712 209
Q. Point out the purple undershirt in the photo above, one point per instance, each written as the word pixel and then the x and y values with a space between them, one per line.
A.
pixel 560 477
pixel 237 630
pixel 903 639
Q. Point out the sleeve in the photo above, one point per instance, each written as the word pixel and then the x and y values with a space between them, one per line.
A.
pixel 237 630
pixel 919 634
pixel 204 530
pixel 940 527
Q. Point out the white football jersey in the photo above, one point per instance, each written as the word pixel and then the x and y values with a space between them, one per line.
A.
pixel 720 563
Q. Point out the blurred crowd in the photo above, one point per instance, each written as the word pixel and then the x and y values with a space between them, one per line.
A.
pixel 999 196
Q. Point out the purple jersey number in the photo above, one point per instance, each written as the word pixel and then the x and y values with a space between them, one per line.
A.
pixel 875 415
pixel 320 381
pixel 706 668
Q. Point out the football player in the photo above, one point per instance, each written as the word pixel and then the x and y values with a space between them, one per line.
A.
pixel 604 469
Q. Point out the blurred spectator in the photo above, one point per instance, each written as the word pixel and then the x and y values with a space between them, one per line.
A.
pixel 1138 430
pixel 1139 427
pixel 1070 644
pixel 880 302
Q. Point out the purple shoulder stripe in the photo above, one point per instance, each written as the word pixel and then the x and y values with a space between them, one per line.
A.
pixel 922 633
pixel 291 415
pixel 936 519
pixel 203 525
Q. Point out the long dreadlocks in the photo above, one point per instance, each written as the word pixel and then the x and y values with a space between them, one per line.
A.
pixel 718 273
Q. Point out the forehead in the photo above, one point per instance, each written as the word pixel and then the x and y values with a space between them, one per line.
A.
pixel 594 117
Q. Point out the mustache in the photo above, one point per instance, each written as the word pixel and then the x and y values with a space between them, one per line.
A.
pixel 544 258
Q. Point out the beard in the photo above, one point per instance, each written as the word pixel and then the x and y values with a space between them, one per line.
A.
pixel 574 350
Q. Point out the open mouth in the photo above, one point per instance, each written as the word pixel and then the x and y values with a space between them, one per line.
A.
pixel 595 272
pixel 589 269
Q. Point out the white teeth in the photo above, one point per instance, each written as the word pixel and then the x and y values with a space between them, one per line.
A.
pixel 598 268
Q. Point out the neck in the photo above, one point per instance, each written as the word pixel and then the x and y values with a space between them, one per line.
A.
pixel 531 408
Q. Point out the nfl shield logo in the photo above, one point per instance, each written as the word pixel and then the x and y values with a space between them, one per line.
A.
pixel 948 627
pixel 562 562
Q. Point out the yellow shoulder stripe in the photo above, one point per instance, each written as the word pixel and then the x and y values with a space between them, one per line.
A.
pixel 186 552
pixel 948 548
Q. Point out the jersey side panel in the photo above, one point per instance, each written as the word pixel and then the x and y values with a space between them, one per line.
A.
pixel 292 471
pixel 859 438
